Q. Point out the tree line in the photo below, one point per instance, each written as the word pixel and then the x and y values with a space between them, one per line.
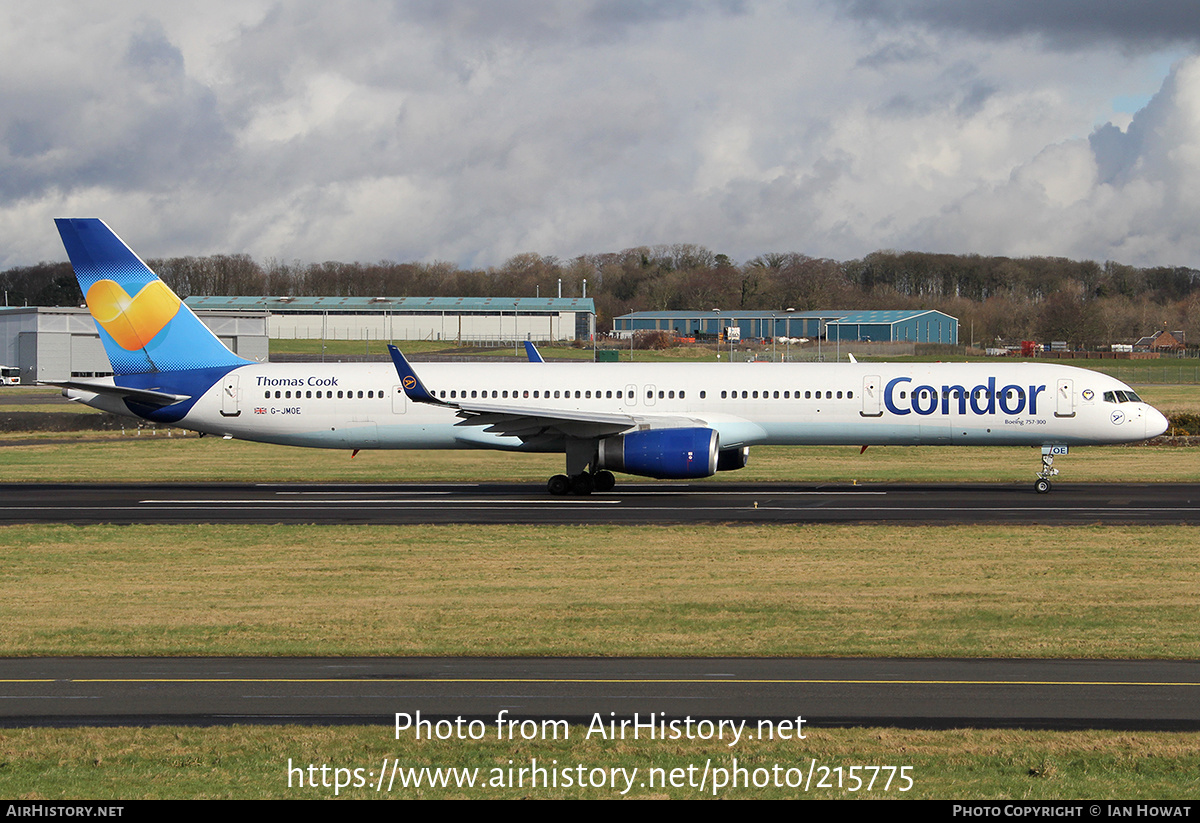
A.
pixel 997 299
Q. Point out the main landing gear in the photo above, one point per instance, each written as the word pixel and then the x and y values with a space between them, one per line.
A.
pixel 1042 484
pixel 581 483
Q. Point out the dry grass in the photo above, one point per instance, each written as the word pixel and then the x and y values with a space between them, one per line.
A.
pixel 511 590
pixel 176 456
pixel 252 762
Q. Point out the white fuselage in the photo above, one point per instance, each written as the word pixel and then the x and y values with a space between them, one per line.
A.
pixel 362 406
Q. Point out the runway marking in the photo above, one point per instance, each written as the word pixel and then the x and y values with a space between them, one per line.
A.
pixel 342 503
pixel 765 493
pixel 360 491
pixel 623 681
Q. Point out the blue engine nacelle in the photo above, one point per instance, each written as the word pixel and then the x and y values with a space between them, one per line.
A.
pixel 667 454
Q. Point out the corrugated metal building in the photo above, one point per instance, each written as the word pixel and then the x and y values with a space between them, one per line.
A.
pixel 468 319
pixel 904 326
pixel 762 324
pixel 917 326
pixel 58 343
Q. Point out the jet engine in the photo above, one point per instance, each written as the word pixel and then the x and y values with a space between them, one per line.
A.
pixel 667 454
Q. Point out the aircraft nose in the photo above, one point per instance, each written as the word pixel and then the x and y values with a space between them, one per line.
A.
pixel 1156 423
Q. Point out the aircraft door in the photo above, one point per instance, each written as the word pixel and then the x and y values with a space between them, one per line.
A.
pixel 872 397
pixel 649 395
pixel 1064 398
pixel 230 396
pixel 631 395
pixel 399 400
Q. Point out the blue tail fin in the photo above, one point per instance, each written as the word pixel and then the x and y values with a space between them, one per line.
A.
pixel 144 326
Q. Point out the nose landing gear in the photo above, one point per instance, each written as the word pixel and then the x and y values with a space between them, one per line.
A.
pixel 1042 484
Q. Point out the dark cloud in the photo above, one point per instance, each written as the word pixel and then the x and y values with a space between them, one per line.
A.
pixel 895 52
pixel 139 123
pixel 1062 23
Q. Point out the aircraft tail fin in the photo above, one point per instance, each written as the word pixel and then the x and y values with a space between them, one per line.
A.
pixel 144 326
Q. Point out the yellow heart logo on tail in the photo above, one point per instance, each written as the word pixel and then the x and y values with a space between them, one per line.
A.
pixel 132 321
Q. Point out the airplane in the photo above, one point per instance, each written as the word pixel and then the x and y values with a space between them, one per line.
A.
pixel 667 421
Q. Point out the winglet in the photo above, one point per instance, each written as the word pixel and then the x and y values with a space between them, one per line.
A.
pixel 851 356
pixel 412 385
pixel 535 356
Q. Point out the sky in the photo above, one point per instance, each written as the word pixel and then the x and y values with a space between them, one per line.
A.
pixel 470 132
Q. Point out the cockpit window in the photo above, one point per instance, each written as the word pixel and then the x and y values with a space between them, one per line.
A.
pixel 1121 397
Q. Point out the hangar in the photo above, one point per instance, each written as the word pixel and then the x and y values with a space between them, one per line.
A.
pixel 760 324
pixel 59 343
pixel 902 326
pixel 464 319
pixel 907 326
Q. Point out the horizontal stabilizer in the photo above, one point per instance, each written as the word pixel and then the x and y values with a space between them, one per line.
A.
pixel 146 396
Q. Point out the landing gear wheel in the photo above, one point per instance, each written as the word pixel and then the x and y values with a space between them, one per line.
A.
pixel 559 484
pixel 582 484
pixel 1042 484
pixel 604 481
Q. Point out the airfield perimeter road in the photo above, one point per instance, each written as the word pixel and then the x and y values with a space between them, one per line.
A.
pixel 1053 694
pixel 629 503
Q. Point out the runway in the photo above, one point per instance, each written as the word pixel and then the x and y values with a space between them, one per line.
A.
pixel 629 503
pixel 1053 694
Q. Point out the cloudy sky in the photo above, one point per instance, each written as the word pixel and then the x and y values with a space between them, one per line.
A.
pixel 472 131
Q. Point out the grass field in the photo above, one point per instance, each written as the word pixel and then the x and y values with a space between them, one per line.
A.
pixel 613 591
pixel 175 456
pixel 251 762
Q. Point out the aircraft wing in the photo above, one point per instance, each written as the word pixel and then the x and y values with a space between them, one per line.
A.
pixel 531 423
pixel 146 396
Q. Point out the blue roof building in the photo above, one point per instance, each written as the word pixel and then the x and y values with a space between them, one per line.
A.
pixel 904 326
